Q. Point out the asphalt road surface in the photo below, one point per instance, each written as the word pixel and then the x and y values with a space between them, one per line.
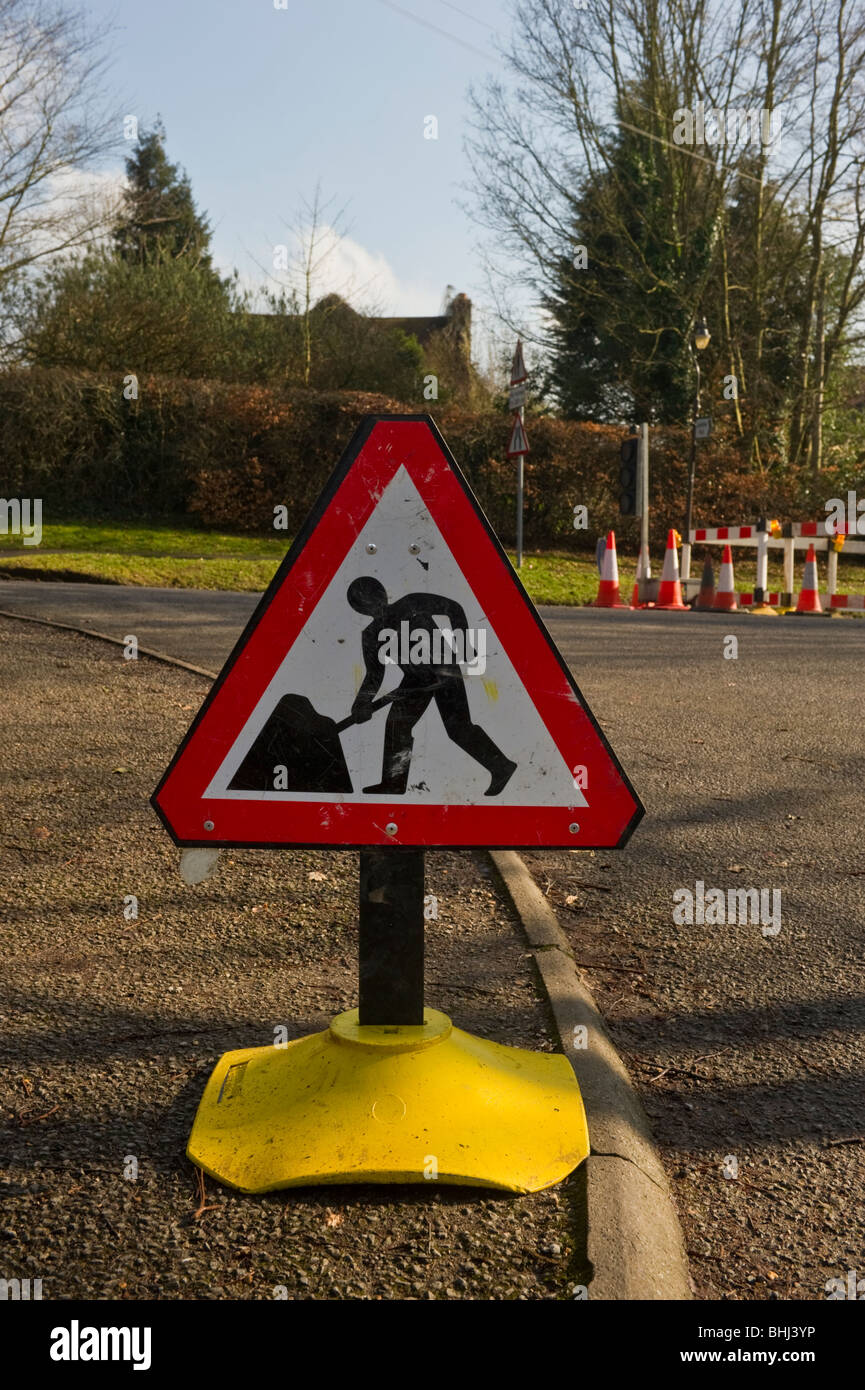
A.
pixel 746 1042
pixel 110 1024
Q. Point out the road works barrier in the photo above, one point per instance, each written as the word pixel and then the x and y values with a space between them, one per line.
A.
pixel 826 537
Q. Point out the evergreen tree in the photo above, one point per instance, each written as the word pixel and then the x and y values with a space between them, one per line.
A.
pixel 620 308
pixel 101 313
pixel 160 220
pixel 151 297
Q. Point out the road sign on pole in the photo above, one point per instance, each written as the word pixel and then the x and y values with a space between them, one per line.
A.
pixel 519 443
pixel 518 365
pixel 394 689
pixel 395 685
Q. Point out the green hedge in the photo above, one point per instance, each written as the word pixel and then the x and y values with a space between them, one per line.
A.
pixel 226 455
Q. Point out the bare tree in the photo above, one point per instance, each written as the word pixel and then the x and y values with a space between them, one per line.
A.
pixel 53 129
pixel 321 306
pixel 828 177
pixel 579 77
pixel 318 233
pixel 299 270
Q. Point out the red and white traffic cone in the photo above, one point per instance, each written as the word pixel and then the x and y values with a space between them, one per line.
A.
pixel 809 598
pixel 644 571
pixel 670 591
pixel 608 589
pixel 725 594
pixel 706 596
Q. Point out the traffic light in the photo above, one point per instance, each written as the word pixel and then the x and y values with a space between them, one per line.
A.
pixel 630 454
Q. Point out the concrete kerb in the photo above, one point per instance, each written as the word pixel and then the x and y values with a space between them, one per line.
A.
pixel 106 637
pixel 635 1243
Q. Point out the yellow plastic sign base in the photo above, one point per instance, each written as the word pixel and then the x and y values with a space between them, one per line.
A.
pixel 391 1105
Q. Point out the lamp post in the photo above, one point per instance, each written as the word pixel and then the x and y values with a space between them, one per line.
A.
pixel 699 342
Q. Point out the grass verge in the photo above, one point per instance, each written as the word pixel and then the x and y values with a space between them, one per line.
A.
pixel 174 556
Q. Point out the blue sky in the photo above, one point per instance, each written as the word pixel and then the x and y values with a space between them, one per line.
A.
pixel 261 103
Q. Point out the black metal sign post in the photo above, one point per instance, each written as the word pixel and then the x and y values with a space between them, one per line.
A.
pixel 391 945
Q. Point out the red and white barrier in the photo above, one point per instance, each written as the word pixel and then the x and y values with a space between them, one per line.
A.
pixel 846 602
pixel 729 535
pixel 747 535
pixel 747 599
pixel 820 534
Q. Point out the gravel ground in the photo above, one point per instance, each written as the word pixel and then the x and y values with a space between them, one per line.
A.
pixel 111 1026
pixel 742 1046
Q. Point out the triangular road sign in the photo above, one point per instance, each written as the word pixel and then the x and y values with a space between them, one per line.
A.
pixel 395 685
pixel 518 366
pixel 519 440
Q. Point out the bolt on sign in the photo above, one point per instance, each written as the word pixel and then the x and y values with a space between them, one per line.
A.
pixel 395 689
pixel 396 685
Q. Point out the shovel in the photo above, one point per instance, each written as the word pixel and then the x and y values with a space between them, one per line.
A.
pixel 296 737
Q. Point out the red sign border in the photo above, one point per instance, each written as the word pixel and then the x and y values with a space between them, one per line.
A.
pixel 517 624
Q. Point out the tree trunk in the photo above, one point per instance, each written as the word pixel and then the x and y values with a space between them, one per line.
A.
pixel 819 381
pixel 728 335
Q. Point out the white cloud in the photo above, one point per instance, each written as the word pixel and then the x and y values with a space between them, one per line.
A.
pixel 72 185
pixel 73 204
pixel 369 281
pixel 341 266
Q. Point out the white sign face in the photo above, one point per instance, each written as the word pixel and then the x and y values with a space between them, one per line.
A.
pixel 702 428
pixel 517 397
pixel 473 720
